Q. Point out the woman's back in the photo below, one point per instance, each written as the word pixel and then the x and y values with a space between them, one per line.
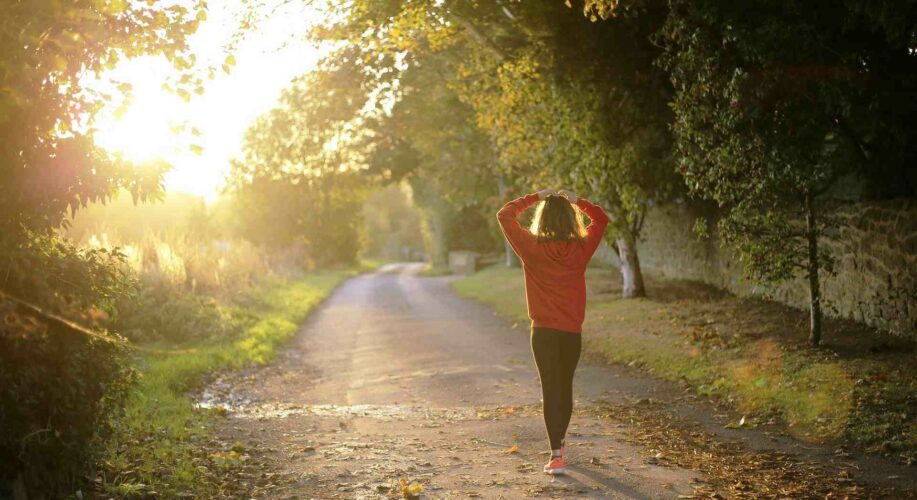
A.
pixel 555 284
pixel 554 254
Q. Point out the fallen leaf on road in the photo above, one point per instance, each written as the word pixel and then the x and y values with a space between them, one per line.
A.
pixel 512 449
pixel 410 490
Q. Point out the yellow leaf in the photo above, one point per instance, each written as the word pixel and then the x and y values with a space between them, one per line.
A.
pixel 512 449
pixel 410 490
pixel 115 6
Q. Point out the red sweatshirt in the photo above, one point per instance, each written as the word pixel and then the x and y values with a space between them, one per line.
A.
pixel 555 271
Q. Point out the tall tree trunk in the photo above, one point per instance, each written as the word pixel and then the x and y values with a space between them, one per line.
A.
pixel 630 268
pixel 439 257
pixel 435 236
pixel 812 271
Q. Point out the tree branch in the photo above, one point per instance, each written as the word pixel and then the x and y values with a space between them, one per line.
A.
pixel 476 35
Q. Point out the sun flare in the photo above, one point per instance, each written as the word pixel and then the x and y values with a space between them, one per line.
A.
pixel 199 137
pixel 146 129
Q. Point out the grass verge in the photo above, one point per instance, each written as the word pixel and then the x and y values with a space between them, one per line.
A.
pixel 861 387
pixel 161 447
pixel 431 271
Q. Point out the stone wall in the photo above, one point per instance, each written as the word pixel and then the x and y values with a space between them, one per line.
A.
pixel 875 248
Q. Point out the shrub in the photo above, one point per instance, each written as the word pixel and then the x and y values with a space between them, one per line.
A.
pixel 162 313
pixel 60 388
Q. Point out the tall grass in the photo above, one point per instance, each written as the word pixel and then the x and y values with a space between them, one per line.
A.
pixel 204 302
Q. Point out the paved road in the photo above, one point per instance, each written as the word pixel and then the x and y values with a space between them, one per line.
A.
pixel 394 376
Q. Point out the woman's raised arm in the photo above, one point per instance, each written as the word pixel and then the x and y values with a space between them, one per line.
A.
pixel 598 222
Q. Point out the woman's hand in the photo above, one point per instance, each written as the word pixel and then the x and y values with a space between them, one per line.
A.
pixel 569 195
pixel 544 193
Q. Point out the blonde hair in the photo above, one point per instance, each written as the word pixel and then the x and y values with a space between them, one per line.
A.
pixel 556 219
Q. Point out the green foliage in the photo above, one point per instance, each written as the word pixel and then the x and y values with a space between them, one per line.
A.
pixel 391 224
pixel 48 268
pixel 760 126
pixel 577 103
pixel 774 103
pixel 159 313
pixel 61 388
pixel 468 230
pixel 48 160
pixel 298 181
pixel 321 214
pixel 161 443
pixel 430 138
pixel 493 98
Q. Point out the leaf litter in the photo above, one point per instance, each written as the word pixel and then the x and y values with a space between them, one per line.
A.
pixel 730 469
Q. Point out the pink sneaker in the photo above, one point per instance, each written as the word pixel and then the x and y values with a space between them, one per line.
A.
pixel 555 466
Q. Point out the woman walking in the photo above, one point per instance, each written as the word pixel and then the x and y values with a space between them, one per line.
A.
pixel 554 253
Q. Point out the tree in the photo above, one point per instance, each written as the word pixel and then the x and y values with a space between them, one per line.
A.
pixel 577 102
pixel 298 181
pixel 452 172
pixel 777 100
pixel 419 130
pixel 392 224
pixel 560 99
pixel 61 385
pixel 48 161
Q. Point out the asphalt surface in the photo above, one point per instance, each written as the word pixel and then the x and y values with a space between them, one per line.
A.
pixel 395 377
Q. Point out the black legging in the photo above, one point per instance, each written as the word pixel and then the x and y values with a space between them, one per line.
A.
pixel 556 355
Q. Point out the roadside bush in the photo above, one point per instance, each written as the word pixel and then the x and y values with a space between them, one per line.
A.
pixel 60 388
pixel 179 283
pixel 159 313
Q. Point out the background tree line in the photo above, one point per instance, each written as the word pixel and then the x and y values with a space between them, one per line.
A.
pixel 760 108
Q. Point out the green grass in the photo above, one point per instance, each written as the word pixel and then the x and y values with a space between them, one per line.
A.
pixel 499 287
pixel 736 351
pixel 432 271
pixel 161 442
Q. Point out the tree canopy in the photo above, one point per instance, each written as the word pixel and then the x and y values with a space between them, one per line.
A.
pixel 767 131
pixel 49 162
